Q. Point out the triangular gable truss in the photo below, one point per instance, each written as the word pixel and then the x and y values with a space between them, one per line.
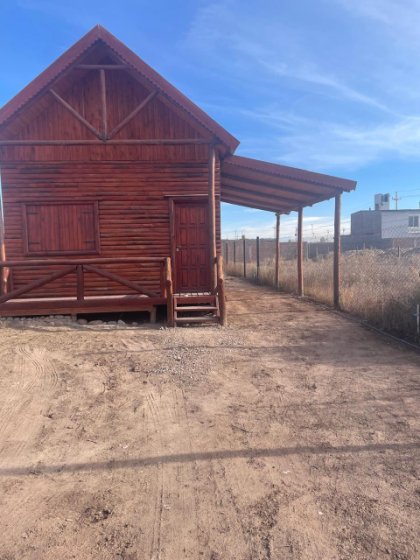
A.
pixel 122 58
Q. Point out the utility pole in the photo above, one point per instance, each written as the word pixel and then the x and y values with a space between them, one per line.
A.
pixel 396 198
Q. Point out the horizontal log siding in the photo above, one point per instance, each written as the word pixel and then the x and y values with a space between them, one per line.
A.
pixel 133 213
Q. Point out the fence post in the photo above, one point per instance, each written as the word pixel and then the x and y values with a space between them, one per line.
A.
pixel 227 252
pixel 277 263
pixel 300 252
pixel 244 253
pixel 257 241
pixel 234 251
pixel 337 251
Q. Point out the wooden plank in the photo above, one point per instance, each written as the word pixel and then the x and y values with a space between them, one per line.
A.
pixel 119 279
pixel 277 260
pixel 212 214
pixel 337 251
pixel 76 114
pixel 133 113
pixel 300 253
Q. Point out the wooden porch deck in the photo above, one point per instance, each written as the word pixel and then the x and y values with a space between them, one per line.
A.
pixel 181 308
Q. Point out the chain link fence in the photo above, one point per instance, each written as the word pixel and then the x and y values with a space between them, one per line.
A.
pixel 380 280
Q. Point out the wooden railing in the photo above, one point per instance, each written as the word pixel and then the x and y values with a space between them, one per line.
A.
pixel 221 290
pixel 79 267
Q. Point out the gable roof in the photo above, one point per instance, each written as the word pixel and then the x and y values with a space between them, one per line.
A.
pixel 71 56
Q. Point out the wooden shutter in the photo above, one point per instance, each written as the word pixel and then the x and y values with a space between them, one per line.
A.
pixel 61 228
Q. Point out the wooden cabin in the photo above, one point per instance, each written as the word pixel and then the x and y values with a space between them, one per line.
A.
pixel 111 186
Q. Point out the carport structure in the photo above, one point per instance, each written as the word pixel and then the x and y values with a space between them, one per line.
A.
pixel 283 189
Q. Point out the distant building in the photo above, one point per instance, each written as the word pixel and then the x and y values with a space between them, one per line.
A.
pixel 383 223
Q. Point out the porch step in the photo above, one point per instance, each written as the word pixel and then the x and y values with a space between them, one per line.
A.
pixel 192 299
pixel 196 309
pixel 205 319
pixel 186 308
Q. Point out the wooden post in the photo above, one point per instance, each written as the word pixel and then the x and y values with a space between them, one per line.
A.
pixel 257 241
pixel 80 283
pixel 300 252
pixel 277 263
pixel 244 253
pixel 212 214
pixel 234 251
pixel 221 291
pixel 3 270
pixel 227 252
pixel 337 251
pixel 104 113
pixel 162 279
pixel 169 293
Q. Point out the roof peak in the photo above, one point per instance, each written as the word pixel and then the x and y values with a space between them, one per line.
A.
pixel 70 57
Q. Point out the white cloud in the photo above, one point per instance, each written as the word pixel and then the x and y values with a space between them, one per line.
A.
pixel 342 103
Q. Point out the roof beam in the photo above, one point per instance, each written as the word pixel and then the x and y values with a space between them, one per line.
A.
pixel 230 200
pixel 76 114
pixel 268 200
pixel 275 192
pixel 104 110
pixel 266 184
pixel 278 195
pixel 272 205
pixel 285 183
pixel 102 66
pixel 129 141
pixel 133 113
pixel 285 172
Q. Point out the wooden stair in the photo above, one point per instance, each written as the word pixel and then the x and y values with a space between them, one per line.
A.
pixel 196 309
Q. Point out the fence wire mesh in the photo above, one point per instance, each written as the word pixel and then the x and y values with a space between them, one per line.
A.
pixel 380 280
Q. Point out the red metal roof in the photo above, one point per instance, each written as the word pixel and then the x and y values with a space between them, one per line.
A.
pixel 72 56
pixel 276 188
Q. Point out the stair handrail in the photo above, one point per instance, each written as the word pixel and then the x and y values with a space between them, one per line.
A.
pixel 169 292
pixel 221 290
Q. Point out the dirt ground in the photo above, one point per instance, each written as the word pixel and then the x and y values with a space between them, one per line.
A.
pixel 291 434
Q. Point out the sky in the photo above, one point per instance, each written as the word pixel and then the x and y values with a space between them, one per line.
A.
pixel 326 85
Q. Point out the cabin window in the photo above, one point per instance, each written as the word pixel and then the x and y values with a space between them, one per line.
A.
pixel 413 221
pixel 61 228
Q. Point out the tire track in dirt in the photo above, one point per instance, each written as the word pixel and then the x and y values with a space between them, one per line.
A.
pixel 174 489
pixel 32 379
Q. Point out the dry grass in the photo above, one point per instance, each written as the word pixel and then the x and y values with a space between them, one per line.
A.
pixel 377 286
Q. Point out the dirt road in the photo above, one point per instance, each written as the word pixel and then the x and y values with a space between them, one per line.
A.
pixel 291 434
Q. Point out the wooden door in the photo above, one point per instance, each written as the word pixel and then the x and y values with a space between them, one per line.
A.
pixel 191 251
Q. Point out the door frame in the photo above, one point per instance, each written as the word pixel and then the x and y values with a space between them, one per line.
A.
pixel 172 199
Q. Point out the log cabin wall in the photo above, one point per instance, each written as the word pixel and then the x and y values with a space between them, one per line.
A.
pixel 129 184
pixel 133 212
